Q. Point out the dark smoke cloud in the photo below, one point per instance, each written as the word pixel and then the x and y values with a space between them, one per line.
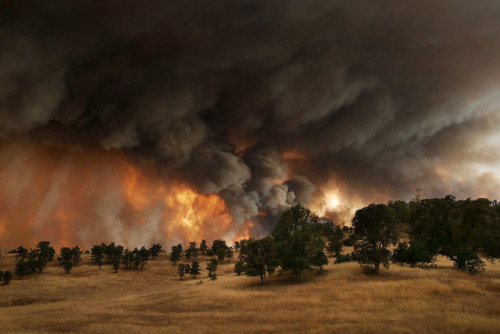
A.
pixel 376 98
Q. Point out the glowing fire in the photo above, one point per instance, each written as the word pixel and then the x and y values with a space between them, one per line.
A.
pixel 245 231
pixel 329 202
pixel 335 204
pixel 86 198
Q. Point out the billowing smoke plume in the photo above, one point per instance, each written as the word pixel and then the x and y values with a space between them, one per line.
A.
pixel 113 114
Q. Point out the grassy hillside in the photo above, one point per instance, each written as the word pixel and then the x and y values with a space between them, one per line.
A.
pixel 343 300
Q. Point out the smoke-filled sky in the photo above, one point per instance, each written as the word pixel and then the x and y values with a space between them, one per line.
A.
pixel 166 121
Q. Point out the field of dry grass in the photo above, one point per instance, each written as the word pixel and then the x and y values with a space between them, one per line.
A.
pixel 154 300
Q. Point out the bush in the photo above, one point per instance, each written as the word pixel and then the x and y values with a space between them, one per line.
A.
pixel 6 277
pixel 341 258
pixel 468 260
pixel 475 266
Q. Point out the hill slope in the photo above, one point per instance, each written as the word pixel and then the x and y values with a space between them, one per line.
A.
pixel 154 300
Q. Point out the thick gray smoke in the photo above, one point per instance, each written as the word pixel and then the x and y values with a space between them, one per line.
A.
pixel 265 103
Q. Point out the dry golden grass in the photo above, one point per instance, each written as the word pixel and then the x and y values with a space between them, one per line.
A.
pixel 154 300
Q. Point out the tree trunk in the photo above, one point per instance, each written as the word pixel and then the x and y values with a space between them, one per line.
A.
pixel 377 267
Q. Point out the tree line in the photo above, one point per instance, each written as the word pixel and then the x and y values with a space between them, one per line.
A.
pixel 461 230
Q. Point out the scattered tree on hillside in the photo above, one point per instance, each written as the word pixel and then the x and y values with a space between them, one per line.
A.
pixel 143 256
pixel 97 255
pixel 46 251
pixel 243 250
pixel 181 270
pixel 28 262
pixel 113 254
pixel 192 250
pixel 212 269
pixel 116 264
pixel 203 246
pixel 219 248
pixel 175 255
pixel 375 229
pixel 298 239
pixel 22 252
pixel 319 260
pixel 260 258
pixel 66 259
pixel 127 258
pixel 195 269
pixel 6 277
pixel 77 254
pixel 239 268
pixel 155 250
pixel 335 241
pixel 221 254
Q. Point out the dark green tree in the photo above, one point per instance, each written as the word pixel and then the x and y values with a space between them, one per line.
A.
pixel 195 269
pixel 22 252
pixel 375 229
pixel 243 250
pixel 46 251
pixel 181 270
pixel 221 254
pixel 298 239
pixel 137 259
pixel 320 260
pixel 335 241
pixel 143 256
pixel 219 248
pixel 414 254
pixel 113 253
pixel 6 277
pixel 116 264
pixel 127 259
pixel 77 255
pixel 212 269
pixel 457 229
pixel 192 250
pixel 239 268
pixel 97 255
pixel 261 258
pixel 203 247
pixel 21 268
pixel 155 250
pixel 175 255
pixel 67 266
pixel 66 258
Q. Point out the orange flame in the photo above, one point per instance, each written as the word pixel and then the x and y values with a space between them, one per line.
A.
pixel 74 197
pixel 245 231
